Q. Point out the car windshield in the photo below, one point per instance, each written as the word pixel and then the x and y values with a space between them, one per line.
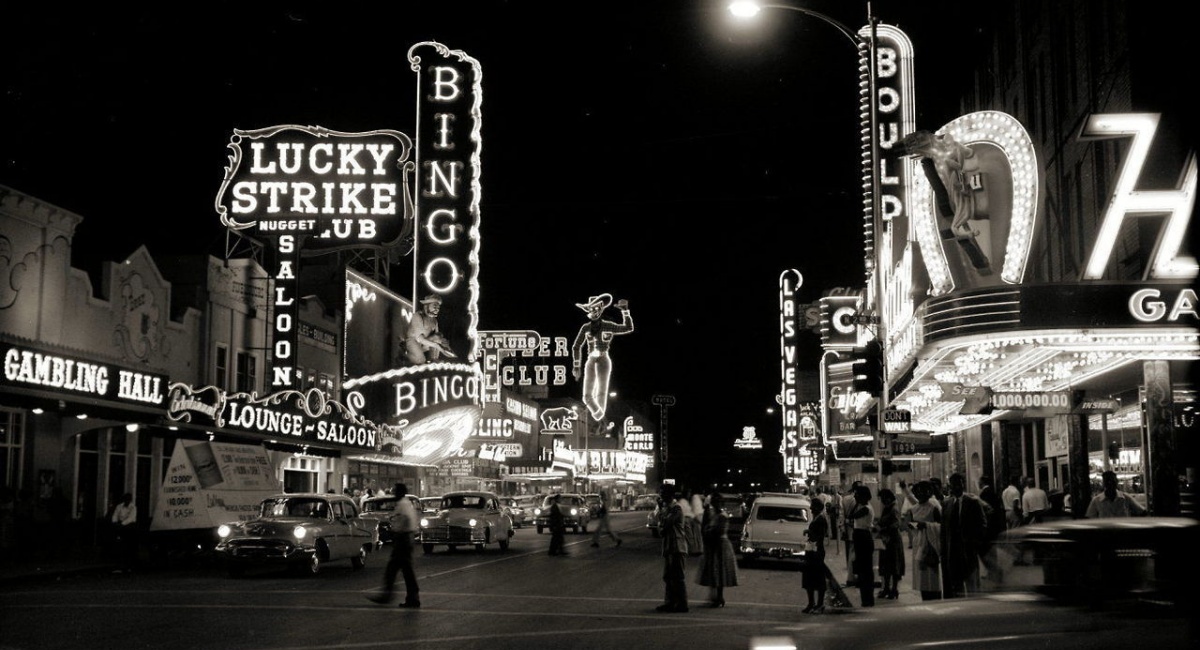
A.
pixel 781 513
pixel 386 505
pixel 463 501
pixel 295 507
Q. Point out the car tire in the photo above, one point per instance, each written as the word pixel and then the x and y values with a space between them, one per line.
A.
pixel 427 548
pixel 312 566
pixel 359 561
pixel 539 529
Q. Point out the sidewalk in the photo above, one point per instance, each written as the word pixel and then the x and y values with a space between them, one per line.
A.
pixel 17 566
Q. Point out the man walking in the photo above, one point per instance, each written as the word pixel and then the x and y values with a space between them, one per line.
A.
pixel 1012 502
pixel 402 551
pixel 558 527
pixel 603 526
pixel 1034 502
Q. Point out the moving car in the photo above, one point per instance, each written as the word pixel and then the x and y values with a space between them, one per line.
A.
pixel 301 531
pixel 654 520
pixel 593 504
pixel 521 509
pixel 466 517
pixel 429 505
pixel 382 510
pixel 775 527
pixel 645 502
pixel 574 508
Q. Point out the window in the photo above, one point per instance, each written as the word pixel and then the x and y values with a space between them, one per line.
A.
pixel 220 377
pixel 247 373
pixel 12 436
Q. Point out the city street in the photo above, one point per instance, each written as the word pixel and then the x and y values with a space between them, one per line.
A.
pixel 521 598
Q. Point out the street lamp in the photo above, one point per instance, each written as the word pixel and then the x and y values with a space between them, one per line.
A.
pixel 869 109
pixel 868 104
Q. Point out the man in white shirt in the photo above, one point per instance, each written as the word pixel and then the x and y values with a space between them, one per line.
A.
pixel 1113 502
pixel 404 528
pixel 1012 502
pixel 1034 501
pixel 124 519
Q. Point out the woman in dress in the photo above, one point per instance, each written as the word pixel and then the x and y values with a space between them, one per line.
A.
pixel 891 556
pixel 719 567
pixel 925 520
pixel 815 571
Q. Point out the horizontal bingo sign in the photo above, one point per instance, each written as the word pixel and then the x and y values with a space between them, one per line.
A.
pixel 897 421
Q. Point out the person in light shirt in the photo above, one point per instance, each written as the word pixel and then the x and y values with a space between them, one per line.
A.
pixel 1034 502
pixel 1112 502
pixel 406 526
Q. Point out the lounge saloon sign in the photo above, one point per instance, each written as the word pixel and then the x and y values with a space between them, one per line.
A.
pixel 305 417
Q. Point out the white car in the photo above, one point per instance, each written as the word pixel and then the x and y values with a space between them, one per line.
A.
pixel 775 528
pixel 466 518
pixel 303 531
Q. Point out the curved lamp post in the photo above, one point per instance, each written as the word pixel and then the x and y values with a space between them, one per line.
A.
pixel 869 105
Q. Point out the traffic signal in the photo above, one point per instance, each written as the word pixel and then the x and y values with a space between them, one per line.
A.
pixel 868 369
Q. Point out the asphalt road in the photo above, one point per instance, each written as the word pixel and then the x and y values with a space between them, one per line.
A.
pixel 522 598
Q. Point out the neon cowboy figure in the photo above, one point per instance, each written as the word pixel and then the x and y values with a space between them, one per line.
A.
pixel 598 333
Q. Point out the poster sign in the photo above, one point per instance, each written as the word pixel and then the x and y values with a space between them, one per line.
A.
pixel 209 483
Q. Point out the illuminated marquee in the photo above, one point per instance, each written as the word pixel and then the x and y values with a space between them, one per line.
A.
pixel 39 369
pixel 316 189
pixel 446 232
pixel 790 325
pixel 298 416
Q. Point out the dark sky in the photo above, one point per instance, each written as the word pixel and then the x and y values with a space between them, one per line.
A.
pixel 646 148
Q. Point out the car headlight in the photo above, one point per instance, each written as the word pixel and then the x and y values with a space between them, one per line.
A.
pixel 574 512
pixel 424 522
pixel 224 530
pixel 472 522
pixel 299 532
pixel 537 511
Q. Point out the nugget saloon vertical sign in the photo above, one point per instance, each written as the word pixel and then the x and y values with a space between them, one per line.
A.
pixel 311 189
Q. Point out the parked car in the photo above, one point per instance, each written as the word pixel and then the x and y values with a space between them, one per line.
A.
pixel 775 527
pixel 302 531
pixel 382 510
pixel 575 513
pixel 467 517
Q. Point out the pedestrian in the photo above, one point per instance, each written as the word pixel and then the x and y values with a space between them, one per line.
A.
pixel 925 517
pixel 891 556
pixel 124 520
pixel 847 530
pixel 862 519
pixel 996 525
pixel 603 526
pixel 558 527
pixel 719 567
pixel 964 527
pixel 939 492
pixel 815 575
pixel 674 552
pixel 404 527
pixel 691 529
pixel 1012 502
pixel 1112 502
pixel 1034 502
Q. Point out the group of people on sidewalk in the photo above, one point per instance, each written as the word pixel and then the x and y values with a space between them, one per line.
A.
pixel 694 525
pixel 953 534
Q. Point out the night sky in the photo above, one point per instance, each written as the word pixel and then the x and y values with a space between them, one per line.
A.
pixel 647 148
